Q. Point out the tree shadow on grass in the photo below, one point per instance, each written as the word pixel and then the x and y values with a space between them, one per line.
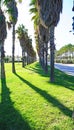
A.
pixel 61 79
pixel 10 118
pixel 64 80
pixel 55 102
pixel 37 69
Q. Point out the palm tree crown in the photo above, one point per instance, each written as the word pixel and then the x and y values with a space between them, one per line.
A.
pixel 49 11
pixel 3 31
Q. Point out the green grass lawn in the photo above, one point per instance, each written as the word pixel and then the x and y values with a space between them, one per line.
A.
pixel 28 101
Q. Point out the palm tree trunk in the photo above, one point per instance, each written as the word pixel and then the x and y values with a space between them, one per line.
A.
pixel 13 49
pixel 23 58
pixel 46 55
pixel 51 33
pixel 27 58
pixel 2 62
pixel 39 54
pixel 42 55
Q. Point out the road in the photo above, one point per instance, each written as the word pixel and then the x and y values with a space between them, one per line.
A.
pixel 67 68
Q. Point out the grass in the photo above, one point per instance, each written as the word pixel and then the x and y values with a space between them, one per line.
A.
pixel 28 101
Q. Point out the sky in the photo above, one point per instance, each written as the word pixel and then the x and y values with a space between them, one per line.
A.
pixel 63 36
pixel 62 32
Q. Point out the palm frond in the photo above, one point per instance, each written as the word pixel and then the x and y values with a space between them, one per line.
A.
pixel 32 2
pixel 33 10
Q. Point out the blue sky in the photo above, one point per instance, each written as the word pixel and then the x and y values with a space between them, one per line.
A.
pixel 62 34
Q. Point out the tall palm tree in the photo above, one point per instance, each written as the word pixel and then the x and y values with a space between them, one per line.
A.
pixel 49 11
pixel 13 15
pixel 26 45
pixel 31 52
pixel 31 55
pixel 35 18
pixel 3 34
pixel 43 33
pixel 22 33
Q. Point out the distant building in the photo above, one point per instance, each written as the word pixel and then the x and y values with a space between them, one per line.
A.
pixel 65 57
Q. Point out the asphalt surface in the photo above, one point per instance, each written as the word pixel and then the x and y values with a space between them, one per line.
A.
pixel 67 68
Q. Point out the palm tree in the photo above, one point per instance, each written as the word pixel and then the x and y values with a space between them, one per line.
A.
pixel 22 33
pixel 41 34
pixel 49 11
pixel 31 52
pixel 13 15
pixel 3 34
pixel 31 55
pixel 26 45
pixel 36 20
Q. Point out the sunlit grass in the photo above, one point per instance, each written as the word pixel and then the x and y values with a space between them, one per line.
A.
pixel 30 102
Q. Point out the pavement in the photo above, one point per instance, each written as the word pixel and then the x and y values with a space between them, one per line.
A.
pixel 67 68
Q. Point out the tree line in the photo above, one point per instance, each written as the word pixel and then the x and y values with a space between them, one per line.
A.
pixel 25 40
pixel 46 15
